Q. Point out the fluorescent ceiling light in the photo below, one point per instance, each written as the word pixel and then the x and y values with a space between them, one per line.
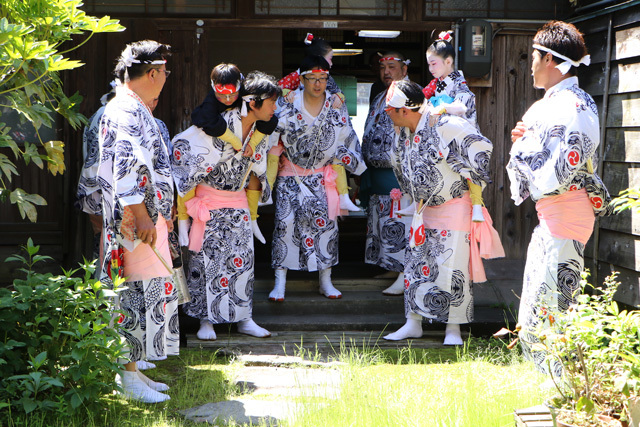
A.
pixel 379 34
pixel 347 52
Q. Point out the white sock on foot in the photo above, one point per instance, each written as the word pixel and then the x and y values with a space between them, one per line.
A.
pixel 452 334
pixel 152 384
pixel 143 364
pixel 346 204
pixel 277 294
pixel 206 332
pixel 411 329
pixel 397 287
pixel 326 287
pixel 249 327
pixel 134 388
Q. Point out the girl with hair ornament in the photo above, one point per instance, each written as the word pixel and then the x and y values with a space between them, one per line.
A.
pixel 448 93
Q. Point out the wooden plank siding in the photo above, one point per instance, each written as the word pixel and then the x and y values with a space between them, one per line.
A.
pixel 618 236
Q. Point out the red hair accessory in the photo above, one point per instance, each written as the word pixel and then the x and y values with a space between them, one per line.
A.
pixel 308 39
pixel 445 36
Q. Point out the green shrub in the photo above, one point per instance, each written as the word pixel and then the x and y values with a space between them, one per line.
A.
pixel 57 348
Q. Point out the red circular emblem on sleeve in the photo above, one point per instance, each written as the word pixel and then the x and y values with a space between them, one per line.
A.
pixel 168 288
pixel 143 182
pixel 237 261
pixel 224 282
pixel 416 139
pixel 573 187
pixel 346 160
pixel 425 270
pixel 176 155
pixel 320 222
pixel 209 169
pixel 420 237
pixel 573 157
pixel 309 242
pixel 596 202
pixel 121 318
pixel 406 142
pixel 246 217
pixel 299 117
pixel 443 233
pixel 258 156
pixel 159 194
pixel 406 283
pixel 344 119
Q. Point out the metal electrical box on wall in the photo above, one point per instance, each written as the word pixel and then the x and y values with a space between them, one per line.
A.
pixel 475 48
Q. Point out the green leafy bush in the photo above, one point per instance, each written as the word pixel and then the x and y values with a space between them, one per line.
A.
pixel 57 348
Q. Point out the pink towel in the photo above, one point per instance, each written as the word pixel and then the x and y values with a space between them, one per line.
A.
pixel 206 200
pixel 330 175
pixel 142 263
pixel 568 215
pixel 455 214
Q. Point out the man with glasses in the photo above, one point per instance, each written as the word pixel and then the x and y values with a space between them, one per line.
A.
pixel 379 188
pixel 311 137
pixel 135 180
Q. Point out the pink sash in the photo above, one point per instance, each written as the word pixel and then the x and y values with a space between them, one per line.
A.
pixel 142 263
pixel 455 214
pixel 568 215
pixel 330 175
pixel 206 200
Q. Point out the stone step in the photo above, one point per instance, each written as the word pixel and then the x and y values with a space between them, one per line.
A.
pixel 296 342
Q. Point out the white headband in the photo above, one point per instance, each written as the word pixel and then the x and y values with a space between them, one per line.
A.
pixel 128 59
pixel 249 98
pixel 316 70
pixel 397 99
pixel 568 62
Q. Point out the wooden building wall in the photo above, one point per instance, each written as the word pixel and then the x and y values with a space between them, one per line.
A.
pixel 613 79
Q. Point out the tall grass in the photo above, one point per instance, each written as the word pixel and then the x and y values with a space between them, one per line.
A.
pixel 474 386
pixel 479 385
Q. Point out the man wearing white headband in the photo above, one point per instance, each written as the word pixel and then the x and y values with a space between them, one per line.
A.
pixel 310 139
pixel 553 161
pixel 137 200
pixel 386 230
pixel 434 165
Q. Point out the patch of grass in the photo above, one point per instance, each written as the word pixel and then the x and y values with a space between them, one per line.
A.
pixel 479 385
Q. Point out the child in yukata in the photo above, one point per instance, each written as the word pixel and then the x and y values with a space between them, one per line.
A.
pixel 448 93
pixel 226 82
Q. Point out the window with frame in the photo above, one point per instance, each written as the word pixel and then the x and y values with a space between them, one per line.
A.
pixel 365 8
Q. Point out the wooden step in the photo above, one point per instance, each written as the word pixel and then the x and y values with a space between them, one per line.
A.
pixel 292 342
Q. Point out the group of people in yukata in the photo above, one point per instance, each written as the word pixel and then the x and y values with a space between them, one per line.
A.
pixel 422 164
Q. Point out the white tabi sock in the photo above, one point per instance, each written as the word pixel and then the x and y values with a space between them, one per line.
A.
pixel 326 287
pixel 143 364
pixel 152 384
pixel 249 327
pixel 277 294
pixel 206 332
pixel 452 334
pixel 397 287
pixel 134 388
pixel 411 329
pixel 347 205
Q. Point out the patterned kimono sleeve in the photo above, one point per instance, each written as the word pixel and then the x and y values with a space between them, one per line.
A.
pixel 259 167
pixel 88 196
pixel 164 132
pixel 193 157
pixel 132 163
pixel 563 142
pixel 290 81
pixel 468 152
pixel 348 151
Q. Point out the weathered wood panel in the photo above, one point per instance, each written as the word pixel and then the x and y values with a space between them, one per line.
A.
pixel 626 44
pixel 617 177
pixel 622 145
pixel 624 78
pixel 623 110
pixel 499 109
pixel 619 249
